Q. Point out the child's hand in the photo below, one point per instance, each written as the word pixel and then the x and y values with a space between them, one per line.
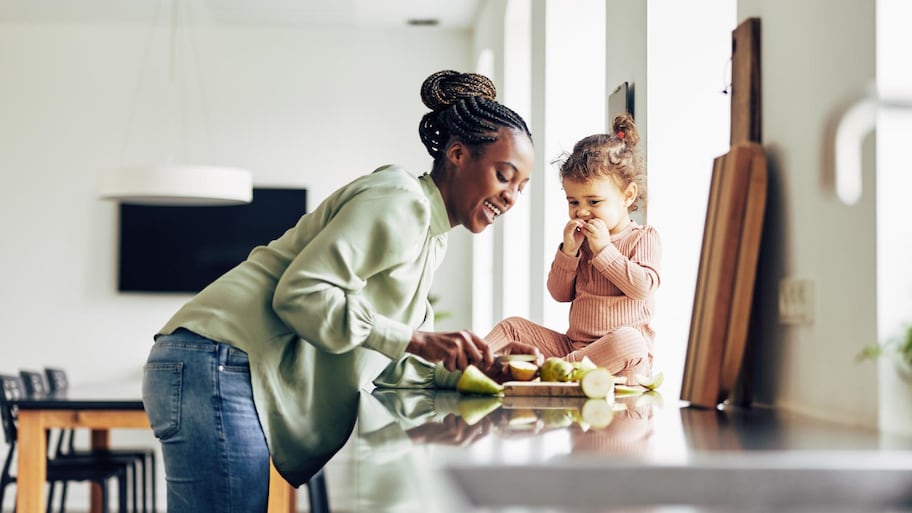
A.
pixel 573 237
pixel 598 235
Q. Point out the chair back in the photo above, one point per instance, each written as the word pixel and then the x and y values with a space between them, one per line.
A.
pixel 58 385
pixel 57 380
pixel 12 391
pixel 35 385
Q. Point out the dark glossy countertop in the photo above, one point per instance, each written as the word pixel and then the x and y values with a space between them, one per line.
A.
pixel 438 451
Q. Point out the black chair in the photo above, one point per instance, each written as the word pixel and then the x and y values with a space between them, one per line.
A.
pixel 143 458
pixel 58 471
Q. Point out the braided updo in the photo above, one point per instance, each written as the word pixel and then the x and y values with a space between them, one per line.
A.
pixel 611 155
pixel 463 107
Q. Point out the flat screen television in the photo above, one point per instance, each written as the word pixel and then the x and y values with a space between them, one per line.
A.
pixel 183 249
pixel 620 101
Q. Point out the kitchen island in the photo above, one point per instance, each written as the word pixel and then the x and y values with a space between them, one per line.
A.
pixel 439 451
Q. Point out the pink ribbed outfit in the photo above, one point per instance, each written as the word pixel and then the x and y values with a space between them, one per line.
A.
pixel 612 297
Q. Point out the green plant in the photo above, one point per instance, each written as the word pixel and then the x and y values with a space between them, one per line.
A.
pixel 899 347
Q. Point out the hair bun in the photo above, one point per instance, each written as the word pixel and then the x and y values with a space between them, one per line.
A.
pixel 445 88
pixel 624 124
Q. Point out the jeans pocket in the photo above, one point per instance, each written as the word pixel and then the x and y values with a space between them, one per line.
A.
pixel 162 397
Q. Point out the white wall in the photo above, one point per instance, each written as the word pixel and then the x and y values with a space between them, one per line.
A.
pixel 282 105
pixel 574 107
pixel 815 56
pixel 894 232
pixel 688 119
pixel 298 107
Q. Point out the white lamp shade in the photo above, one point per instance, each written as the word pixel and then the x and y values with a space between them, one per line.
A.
pixel 178 185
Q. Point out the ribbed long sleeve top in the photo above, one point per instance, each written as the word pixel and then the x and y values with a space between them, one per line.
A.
pixel 613 288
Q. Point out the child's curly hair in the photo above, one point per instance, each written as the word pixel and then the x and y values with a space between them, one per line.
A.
pixel 611 155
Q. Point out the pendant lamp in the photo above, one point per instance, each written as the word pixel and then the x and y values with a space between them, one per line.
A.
pixel 173 179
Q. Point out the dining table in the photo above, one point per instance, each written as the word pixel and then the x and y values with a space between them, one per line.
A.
pixel 100 408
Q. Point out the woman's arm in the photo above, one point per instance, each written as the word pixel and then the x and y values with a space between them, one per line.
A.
pixel 320 295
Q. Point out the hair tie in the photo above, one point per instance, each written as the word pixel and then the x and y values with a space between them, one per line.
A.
pixel 620 134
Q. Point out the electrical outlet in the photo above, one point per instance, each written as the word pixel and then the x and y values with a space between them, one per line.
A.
pixel 796 301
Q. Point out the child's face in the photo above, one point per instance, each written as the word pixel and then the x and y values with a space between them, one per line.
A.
pixel 600 198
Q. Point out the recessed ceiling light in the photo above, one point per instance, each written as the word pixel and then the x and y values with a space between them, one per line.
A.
pixel 423 22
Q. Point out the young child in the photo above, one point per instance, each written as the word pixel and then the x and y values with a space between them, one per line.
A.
pixel 607 266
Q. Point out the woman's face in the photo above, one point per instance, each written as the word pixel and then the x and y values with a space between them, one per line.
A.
pixel 481 189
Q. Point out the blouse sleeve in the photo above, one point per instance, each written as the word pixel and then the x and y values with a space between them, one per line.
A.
pixel 412 371
pixel 320 294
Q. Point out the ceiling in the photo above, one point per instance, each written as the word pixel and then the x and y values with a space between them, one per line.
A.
pixel 453 14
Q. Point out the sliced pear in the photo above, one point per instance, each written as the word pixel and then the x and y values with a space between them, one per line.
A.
pixel 523 371
pixel 650 399
pixel 626 390
pixel 586 364
pixel 558 418
pixel 650 382
pixel 597 413
pixel 581 367
pixel 473 381
pixel 556 369
pixel 597 383
pixel 522 417
pixel 474 408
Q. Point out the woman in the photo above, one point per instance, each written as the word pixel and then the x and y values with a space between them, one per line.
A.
pixel 269 358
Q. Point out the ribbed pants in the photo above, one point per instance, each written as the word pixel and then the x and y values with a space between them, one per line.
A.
pixel 625 351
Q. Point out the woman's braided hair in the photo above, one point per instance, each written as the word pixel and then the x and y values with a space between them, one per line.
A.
pixel 612 155
pixel 463 107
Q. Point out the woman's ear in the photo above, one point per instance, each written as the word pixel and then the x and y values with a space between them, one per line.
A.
pixel 631 193
pixel 457 152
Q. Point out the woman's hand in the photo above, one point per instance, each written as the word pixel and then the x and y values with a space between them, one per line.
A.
pixel 453 430
pixel 501 372
pixel 455 349
pixel 521 348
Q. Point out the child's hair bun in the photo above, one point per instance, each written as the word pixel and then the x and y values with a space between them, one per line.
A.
pixel 447 87
pixel 625 128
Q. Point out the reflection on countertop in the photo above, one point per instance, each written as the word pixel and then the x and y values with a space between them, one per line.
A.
pixel 440 451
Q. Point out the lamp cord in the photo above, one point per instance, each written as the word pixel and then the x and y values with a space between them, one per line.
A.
pixel 178 71
pixel 131 117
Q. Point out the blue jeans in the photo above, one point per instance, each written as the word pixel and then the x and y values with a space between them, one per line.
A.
pixel 199 400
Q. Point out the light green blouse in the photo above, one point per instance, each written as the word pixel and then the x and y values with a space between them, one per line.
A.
pixel 329 307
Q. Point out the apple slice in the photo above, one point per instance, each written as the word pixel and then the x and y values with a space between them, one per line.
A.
pixel 597 383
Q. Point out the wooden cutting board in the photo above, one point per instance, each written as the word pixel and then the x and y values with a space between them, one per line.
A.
pixel 528 402
pixel 539 388
pixel 725 278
